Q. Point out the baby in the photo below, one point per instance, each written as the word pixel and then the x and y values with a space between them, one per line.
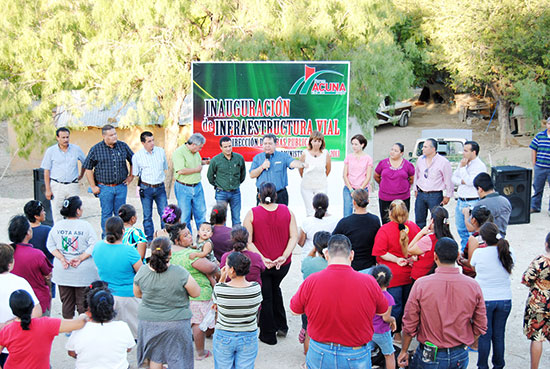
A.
pixel 204 245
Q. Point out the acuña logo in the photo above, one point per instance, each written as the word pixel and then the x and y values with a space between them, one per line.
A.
pixel 310 80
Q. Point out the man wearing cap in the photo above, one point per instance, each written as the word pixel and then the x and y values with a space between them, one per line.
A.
pixel 108 174
pixel 445 312
pixel 60 164
pixel 339 338
pixel 188 189
pixel 149 165
pixel 540 155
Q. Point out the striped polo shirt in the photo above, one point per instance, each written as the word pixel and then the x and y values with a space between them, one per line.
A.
pixel 237 307
pixel 541 144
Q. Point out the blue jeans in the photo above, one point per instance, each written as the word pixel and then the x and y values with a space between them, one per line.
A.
pixel 323 356
pixel 110 199
pixel 497 314
pixel 233 198
pixel 540 176
pixel 400 294
pixel 348 202
pixel 425 201
pixel 191 202
pixel 446 359
pixel 459 221
pixel 158 194
pixel 235 349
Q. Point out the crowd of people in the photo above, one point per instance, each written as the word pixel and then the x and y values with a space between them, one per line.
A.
pixel 369 281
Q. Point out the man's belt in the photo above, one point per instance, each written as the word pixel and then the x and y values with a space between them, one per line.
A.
pixel 468 198
pixel 187 184
pixel 339 345
pixel 461 346
pixel 65 183
pixel 110 184
pixel 421 190
pixel 151 185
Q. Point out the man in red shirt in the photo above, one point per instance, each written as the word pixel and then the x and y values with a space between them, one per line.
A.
pixel 445 312
pixel 340 304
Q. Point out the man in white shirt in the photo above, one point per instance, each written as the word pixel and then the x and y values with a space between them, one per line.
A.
pixel 61 175
pixel 149 164
pixel 466 194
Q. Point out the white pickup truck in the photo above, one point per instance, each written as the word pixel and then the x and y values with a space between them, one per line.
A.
pixel 398 113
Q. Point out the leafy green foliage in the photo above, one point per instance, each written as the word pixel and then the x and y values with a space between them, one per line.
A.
pixel 75 54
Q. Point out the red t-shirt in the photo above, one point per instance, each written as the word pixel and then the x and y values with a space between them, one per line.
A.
pixel 30 349
pixel 425 262
pixel 387 240
pixel 340 304
pixel 32 264
pixel 271 231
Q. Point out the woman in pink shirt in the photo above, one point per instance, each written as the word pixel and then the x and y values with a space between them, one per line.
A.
pixel 357 171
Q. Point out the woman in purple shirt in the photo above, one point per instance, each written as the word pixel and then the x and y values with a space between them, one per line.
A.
pixel 239 238
pixel 395 176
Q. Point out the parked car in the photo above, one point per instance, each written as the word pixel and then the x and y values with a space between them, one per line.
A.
pixel 450 143
pixel 397 114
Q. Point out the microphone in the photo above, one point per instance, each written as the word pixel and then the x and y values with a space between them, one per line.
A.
pixel 268 156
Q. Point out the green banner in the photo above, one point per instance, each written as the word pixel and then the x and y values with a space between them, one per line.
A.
pixel 290 99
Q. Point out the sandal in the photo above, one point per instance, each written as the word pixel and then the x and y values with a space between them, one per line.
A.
pixel 302 335
pixel 208 354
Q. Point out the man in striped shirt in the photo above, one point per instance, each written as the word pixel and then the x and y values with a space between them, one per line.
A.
pixel 149 164
pixel 541 163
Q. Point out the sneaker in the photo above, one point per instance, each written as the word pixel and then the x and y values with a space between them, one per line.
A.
pixel 281 333
pixel 534 211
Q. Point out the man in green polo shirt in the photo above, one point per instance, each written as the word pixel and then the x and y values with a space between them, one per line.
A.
pixel 188 189
pixel 226 173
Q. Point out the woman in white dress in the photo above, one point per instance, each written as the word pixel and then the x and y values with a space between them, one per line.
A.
pixel 315 172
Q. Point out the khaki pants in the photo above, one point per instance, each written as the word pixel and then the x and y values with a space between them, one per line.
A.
pixel 60 193
pixel 126 309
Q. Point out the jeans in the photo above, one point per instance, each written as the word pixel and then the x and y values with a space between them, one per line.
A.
pixel 191 202
pixel 497 314
pixel 110 200
pixel 233 198
pixel 540 176
pixel 400 294
pixel 456 358
pixel 330 356
pixel 272 313
pixel 425 201
pixel 348 202
pixel 235 349
pixel 158 194
pixel 459 221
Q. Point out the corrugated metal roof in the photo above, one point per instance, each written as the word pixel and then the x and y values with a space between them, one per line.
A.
pixel 98 117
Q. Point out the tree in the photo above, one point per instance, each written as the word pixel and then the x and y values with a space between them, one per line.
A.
pixel 502 44
pixel 140 52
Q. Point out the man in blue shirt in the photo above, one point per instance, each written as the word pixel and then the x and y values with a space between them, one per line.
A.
pixel 149 165
pixel 60 164
pixel 541 163
pixel 271 166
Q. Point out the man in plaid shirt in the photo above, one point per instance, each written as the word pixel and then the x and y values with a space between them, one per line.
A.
pixel 108 174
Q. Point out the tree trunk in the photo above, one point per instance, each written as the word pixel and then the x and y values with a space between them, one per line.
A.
pixel 171 132
pixel 503 113
pixel 503 120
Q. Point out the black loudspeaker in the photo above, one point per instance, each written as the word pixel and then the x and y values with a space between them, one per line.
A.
pixel 515 184
pixel 40 194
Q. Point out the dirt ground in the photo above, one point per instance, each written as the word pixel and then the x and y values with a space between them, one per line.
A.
pixel 525 239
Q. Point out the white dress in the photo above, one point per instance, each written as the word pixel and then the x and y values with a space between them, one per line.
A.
pixel 314 179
